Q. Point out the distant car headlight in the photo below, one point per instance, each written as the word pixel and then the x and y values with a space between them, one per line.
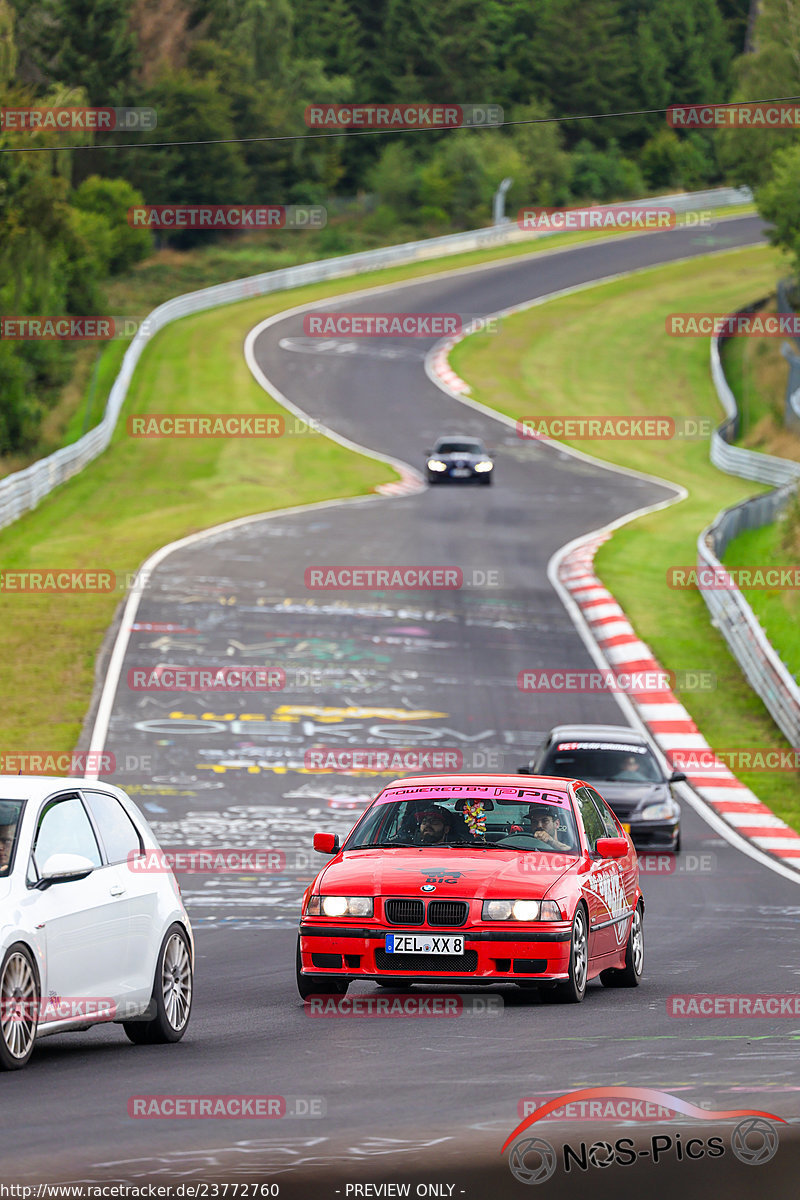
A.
pixel 520 910
pixel 483 466
pixel 340 906
pixel 660 812
pixel 436 464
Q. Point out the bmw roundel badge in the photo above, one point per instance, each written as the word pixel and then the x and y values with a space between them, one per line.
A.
pixel 428 887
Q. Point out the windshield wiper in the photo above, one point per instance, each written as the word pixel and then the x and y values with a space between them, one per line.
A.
pixel 380 845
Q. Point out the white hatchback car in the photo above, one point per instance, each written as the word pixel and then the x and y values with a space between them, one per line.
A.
pixel 87 935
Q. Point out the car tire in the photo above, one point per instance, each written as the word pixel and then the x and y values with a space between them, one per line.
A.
pixel 630 975
pixel 18 982
pixel 171 999
pixel 572 990
pixel 677 846
pixel 487 482
pixel 317 985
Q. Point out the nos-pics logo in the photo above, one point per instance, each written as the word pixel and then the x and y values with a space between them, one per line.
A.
pixel 533 1159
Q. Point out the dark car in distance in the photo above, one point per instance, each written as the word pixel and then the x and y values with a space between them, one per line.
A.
pixel 621 763
pixel 459 458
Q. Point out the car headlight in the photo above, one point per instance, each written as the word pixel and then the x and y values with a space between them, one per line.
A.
pixel 340 906
pixel 659 812
pixel 483 466
pixel 436 464
pixel 520 910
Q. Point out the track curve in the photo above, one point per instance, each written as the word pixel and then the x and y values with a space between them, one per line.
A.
pixel 405 1099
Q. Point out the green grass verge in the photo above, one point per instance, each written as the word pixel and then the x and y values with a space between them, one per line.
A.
pixel 778 610
pixel 621 362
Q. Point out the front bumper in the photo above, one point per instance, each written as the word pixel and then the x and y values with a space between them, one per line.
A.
pixel 655 835
pixel 448 476
pixel 498 955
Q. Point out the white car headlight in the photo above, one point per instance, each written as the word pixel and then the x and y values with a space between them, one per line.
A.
pixel 346 906
pixel 483 466
pixel 436 464
pixel 521 910
pixel 659 812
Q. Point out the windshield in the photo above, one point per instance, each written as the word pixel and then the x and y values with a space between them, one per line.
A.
pixel 606 762
pixel 483 818
pixel 459 448
pixel 9 824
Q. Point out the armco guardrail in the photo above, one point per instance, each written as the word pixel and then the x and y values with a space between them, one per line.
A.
pixel 22 491
pixel 732 615
pixel 735 460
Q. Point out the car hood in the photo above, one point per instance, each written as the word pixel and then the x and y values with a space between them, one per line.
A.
pixel 627 797
pixel 454 873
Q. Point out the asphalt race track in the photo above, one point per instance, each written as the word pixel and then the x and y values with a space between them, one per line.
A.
pixel 410 1101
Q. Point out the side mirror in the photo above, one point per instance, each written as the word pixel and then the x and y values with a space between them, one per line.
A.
pixel 677 777
pixel 612 847
pixel 64 868
pixel 326 843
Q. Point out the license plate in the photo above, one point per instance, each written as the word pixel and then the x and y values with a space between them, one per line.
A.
pixel 460 472
pixel 627 828
pixel 424 943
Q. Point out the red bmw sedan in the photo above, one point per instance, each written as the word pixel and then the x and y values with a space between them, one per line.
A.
pixel 476 879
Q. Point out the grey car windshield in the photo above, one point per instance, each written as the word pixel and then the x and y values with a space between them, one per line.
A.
pixel 459 448
pixel 604 762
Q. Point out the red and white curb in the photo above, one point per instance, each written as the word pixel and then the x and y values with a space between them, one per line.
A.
pixel 441 366
pixel 670 725
pixel 409 483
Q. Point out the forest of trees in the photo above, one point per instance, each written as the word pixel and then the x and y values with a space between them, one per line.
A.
pixel 227 69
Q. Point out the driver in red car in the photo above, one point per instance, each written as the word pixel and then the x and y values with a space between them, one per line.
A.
pixel 544 827
pixel 435 826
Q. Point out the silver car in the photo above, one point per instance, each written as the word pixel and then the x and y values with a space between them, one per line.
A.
pixel 92 925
